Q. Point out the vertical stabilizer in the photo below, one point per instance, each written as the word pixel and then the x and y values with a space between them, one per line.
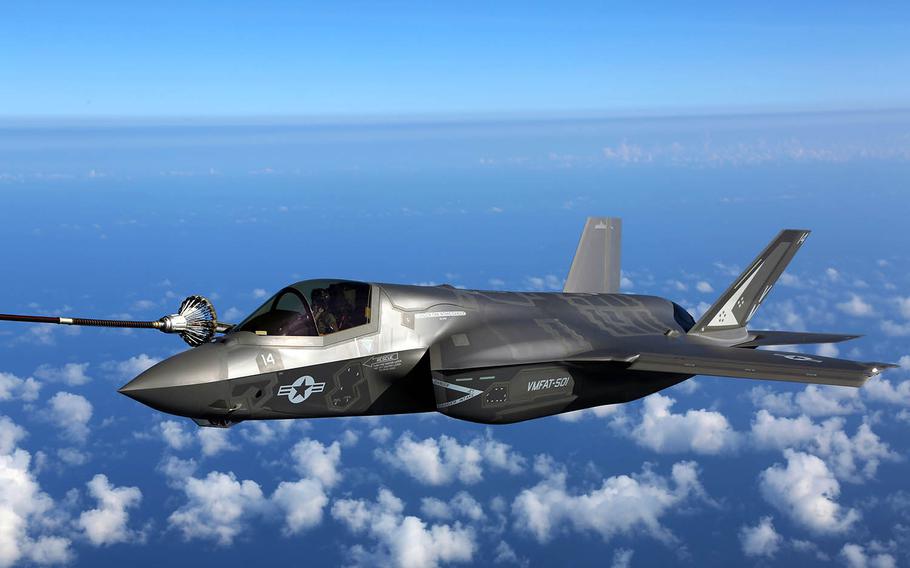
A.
pixel 738 304
pixel 596 266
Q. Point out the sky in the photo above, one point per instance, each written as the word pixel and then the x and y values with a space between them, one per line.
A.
pixel 276 58
pixel 225 150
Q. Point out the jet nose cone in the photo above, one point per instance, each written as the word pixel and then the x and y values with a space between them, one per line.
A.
pixel 185 384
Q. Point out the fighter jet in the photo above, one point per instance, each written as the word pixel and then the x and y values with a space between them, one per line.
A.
pixel 327 347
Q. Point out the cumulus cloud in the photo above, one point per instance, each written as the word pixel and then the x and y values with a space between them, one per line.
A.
pixel 174 434
pixel 596 412
pixel 313 459
pixel 623 504
pixel 704 287
pixel 882 390
pixel 505 554
pixel 461 505
pixel 903 304
pixel 806 491
pixel 302 503
pixel 218 507
pixel 854 556
pixel 440 461
pixel 761 539
pixel 26 512
pixel 700 431
pixel 213 441
pixel 622 558
pixel 851 458
pixel 381 434
pixel 108 523
pixel 130 368
pixel 856 306
pixel 12 387
pixel 813 400
pixel 177 470
pixel 262 432
pixel 71 413
pixel 541 283
pixel 893 329
pixel 72 374
pixel 402 540
pixel 827 350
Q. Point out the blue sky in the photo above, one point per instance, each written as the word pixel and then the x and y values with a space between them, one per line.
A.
pixel 148 154
pixel 304 58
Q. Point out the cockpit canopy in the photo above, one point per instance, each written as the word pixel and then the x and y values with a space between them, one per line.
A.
pixel 312 308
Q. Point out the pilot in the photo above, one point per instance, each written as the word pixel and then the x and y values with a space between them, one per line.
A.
pixel 325 320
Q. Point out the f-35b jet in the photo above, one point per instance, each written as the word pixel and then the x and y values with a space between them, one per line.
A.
pixel 322 348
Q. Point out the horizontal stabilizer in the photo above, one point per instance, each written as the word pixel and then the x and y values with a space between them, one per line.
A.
pixel 596 266
pixel 759 337
pixel 759 364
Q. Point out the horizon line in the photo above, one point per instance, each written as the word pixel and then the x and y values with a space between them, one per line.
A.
pixel 430 118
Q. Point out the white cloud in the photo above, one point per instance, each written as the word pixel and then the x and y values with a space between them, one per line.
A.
pixel 435 508
pixel 856 306
pixel 261 432
pixel 108 523
pixel 505 554
pixel 259 293
pixel 700 431
pixel 232 314
pixel 791 280
pixel 893 329
pixel 851 458
pixel 832 274
pixel 177 470
pixel 540 283
pixel 72 456
pixel 173 433
pixel 302 503
pixel 26 512
pixel 130 368
pixel 596 412
pixel 622 558
pixel 217 508
pixel 440 461
pixel 854 556
pixel 72 374
pixel 71 413
pixel 318 461
pixel 760 540
pixel 822 400
pixel 903 304
pixel 704 287
pixel 461 505
pixel 813 400
pixel 806 491
pixel 381 435
pixel 12 387
pixel 403 540
pixel 827 350
pixel 881 390
pixel 623 504
pixel 214 441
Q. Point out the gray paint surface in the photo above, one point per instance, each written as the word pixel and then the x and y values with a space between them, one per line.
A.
pixel 496 357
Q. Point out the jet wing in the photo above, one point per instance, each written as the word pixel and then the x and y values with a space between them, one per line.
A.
pixel 759 364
